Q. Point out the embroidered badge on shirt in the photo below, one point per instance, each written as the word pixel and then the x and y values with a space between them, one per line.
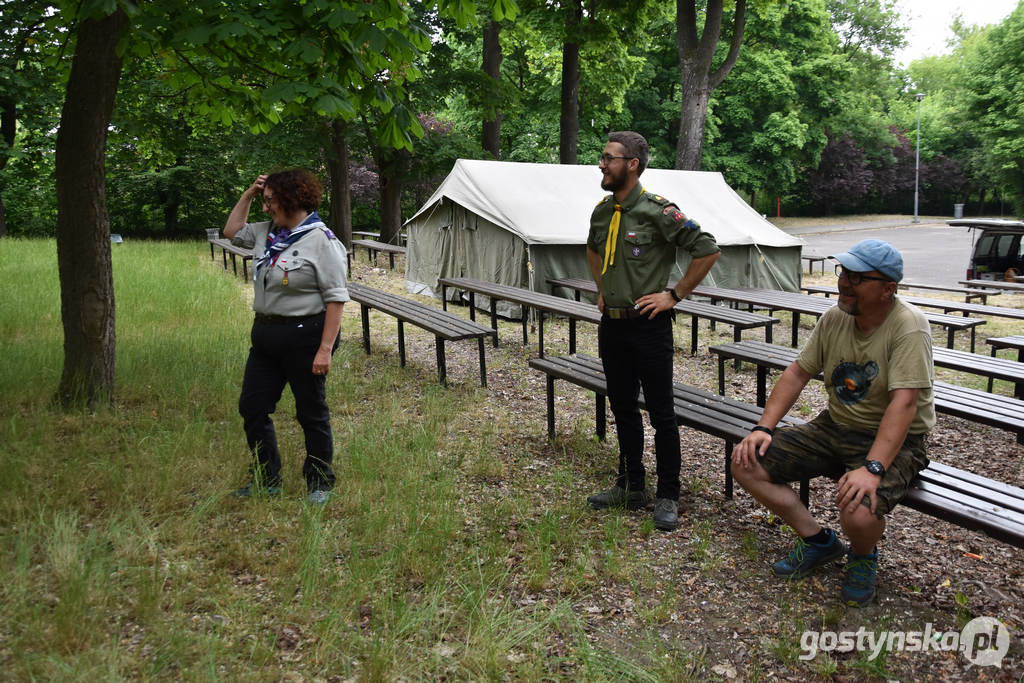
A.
pixel 636 251
pixel 631 235
pixel 675 213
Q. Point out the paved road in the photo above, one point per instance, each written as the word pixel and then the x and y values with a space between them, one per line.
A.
pixel 933 253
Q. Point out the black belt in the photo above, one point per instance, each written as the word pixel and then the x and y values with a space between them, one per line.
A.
pixel 267 319
pixel 625 313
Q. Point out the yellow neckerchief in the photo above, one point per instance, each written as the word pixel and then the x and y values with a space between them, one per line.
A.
pixel 613 236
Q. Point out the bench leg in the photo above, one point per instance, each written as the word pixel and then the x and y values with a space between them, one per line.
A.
pixel 224 257
pixel 949 337
pixel 234 265
pixel 551 406
pixel 212 256
pixel 401 343
pixel 796 329
pixel 444 297
pixel 391 260
pixel 442 371
pixel 721 375
pixel 348 261
pixel 728 469
pixel 483 362
pixel 762 385
pixel 540 332
pixel 736 337
pixel 768 333
pixel 472 306
pixel 364 314
pixel 990 379
pixel 245 269
pixel 494 320
pixel 572 335
pixel 693 335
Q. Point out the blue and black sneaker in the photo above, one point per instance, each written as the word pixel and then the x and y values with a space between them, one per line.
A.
pixel 859 579
pixel 254 488
pixel 807 556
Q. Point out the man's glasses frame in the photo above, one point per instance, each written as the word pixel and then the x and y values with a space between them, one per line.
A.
pixel 608 158
pixel 856 278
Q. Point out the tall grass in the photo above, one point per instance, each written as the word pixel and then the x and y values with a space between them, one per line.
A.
pixel 123 556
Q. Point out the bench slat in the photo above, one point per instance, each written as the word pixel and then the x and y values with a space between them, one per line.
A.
pixel 963 498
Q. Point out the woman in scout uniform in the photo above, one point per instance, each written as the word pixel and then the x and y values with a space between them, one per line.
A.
pixel 300 288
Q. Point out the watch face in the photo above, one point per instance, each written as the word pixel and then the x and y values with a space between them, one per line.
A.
pixel 875 467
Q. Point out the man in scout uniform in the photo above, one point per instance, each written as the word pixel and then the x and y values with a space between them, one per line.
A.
pixel 631 248
pixel 875 353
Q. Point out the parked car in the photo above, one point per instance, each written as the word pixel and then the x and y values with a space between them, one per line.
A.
pixel 998 252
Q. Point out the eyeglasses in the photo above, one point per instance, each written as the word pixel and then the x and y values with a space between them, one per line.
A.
pixel 856 278
pixel 607 159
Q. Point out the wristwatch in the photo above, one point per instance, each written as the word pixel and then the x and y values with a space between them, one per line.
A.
pixel 672 291
pixel 875 467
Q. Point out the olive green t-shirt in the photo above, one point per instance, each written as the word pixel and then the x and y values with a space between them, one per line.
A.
pixel 860 370
pixel 650 229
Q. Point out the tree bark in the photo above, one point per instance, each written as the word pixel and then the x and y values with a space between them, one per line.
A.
pixel 83 226
pixel 569 121
pixel 696 77
pixel 390 208
pixel 491 138
pixel 8 127
pixel 341 190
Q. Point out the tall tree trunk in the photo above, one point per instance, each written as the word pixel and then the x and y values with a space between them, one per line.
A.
pixel 8 127
pixel 569 121
pixel 492 67
pixel 696 77
pixel 341 190
pixel 392 170
pixel 390 208
pixel 83 226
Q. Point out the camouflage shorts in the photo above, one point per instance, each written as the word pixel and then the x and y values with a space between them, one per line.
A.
pixel 822 447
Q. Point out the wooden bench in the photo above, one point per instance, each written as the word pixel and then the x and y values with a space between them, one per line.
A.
pixel 812 259
pixel 740 320
pixel 974 405
pixel 227 248
pixel 775 300
pixel 962 498
pixel 994 284
pixel 445 326
pixel 969 293
pixel 944 304
pixel 373 248
pixel 527 298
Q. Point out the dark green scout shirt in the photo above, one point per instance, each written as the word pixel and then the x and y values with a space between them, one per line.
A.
pixel 650 229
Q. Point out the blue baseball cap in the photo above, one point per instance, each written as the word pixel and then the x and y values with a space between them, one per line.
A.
pixel 873 255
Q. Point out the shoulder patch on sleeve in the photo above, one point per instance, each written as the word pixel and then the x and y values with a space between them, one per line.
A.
pixel 330 235
pixel 674 213
pixel 604 199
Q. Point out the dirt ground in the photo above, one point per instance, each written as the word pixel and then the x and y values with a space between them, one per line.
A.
pixel 712 591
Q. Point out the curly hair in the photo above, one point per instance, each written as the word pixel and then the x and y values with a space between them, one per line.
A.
pixel 635 144
pixel 295 189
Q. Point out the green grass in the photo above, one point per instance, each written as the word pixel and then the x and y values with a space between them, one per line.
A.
pixel 456 546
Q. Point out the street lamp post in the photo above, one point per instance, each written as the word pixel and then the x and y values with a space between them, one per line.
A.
pixel 917 157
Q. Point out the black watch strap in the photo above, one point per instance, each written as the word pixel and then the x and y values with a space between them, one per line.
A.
pixel 761 428
pixel 672 291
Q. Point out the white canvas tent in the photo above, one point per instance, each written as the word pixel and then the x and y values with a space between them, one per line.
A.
pixel 520 224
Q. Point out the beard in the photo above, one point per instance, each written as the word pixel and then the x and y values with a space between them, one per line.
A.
pixel 613 182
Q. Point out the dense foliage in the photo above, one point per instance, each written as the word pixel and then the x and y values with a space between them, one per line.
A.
pixel 814 113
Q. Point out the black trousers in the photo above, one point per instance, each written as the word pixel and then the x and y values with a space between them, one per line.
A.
pixel 280 354
pixel 638 353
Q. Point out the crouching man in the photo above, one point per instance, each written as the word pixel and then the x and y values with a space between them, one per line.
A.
pixel 875 353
